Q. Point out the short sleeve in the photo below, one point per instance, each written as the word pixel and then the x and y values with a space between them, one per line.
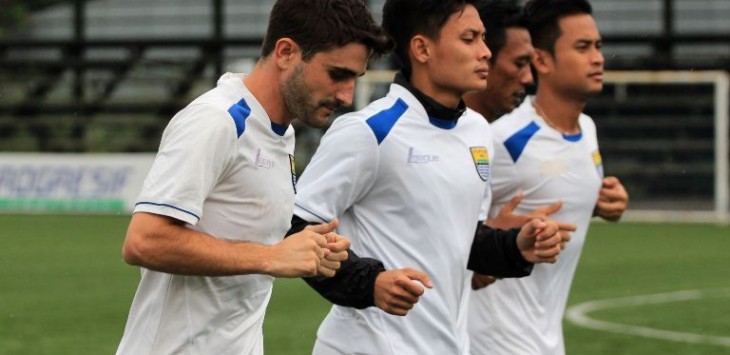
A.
pixel 341 171
pixel 197 146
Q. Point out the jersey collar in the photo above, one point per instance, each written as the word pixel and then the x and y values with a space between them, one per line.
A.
pixel 438 114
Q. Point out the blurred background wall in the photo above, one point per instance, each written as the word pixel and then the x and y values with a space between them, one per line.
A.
pixel 107 75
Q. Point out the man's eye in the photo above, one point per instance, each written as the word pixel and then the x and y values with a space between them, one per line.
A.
pixel 338 75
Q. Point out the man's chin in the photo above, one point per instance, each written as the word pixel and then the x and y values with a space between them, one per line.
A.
pixel 481 87
pixel 320 121
pixel 595 91
pixel 517 101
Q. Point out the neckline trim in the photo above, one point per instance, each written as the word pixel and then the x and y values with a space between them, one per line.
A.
pixel 438 114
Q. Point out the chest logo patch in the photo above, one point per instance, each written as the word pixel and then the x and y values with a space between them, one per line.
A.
pixel 480 155
pixel 262 161
pixel 598 162
pixel 416 158
pixel 554 167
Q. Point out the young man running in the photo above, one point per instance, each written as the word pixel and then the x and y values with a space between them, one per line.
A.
pixel 548 149
pixel 209 222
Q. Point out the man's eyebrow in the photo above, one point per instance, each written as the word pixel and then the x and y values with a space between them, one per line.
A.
pixel 472 31
pixel 344 71
pixel 588 40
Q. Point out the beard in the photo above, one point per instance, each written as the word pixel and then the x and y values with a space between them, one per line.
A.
pixel 298 101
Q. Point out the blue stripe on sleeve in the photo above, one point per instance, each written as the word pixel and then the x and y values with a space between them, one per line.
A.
pixel 312 213
pixel 517 142
pixel 240 112
pixel 382 122
pixel 166 205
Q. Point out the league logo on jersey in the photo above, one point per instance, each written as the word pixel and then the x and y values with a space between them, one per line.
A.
pixel 480 155
pixel 415 158
pixel 293 172
pixel 598 162
pixel 262 161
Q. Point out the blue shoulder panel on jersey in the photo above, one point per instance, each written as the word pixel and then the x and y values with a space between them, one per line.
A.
pixel 517 142
pixel 382 122
pixel 240 112
pixel 573 137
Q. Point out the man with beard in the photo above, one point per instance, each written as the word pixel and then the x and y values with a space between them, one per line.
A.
pixel 208 225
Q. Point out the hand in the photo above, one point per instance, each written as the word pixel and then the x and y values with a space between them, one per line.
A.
pixel 565 233
pixel 541 241
pixel 506 218
pixel 337 246
pixel 612 200
pixel 479 281
pixel 397 291
pixel 298 255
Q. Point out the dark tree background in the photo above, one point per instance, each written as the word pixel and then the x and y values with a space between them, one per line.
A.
pixel 15 13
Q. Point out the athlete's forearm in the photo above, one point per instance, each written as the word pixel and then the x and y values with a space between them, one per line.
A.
pixel 354 283
pixel 163 244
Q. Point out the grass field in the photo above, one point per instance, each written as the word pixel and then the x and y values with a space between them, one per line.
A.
pixel 65 290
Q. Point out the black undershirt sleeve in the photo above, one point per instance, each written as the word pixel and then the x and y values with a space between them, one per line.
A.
pixel 354 283
pixel 494 252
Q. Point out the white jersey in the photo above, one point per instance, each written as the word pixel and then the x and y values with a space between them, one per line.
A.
pixel 524 316
pixel 224 169
pixel 408 190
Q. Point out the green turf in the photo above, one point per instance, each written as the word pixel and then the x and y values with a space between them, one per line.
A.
pixel 65 290
pixel 699 316
pixel 621 260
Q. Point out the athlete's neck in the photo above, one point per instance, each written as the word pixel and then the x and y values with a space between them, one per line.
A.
pixel 476 102
pixel 433 107
pixel 263 86
pixel 559 112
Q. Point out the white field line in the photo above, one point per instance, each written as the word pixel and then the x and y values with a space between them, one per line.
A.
pixel 578 314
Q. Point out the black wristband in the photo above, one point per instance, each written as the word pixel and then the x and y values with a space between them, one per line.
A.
pixel 297 225
pixel 353 285
pixel 495 252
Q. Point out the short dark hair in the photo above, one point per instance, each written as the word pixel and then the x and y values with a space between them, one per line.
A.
pixel 321 25
pixel 403 19
pixel 543 17
pixel 498 16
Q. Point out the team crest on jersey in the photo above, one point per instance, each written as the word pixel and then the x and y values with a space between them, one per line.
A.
pixel 598 162
pixel 293 172
pixel 480 155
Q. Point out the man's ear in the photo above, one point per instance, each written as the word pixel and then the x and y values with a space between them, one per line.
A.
pixel 420 48
pixel 542 61
pixel 286 53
